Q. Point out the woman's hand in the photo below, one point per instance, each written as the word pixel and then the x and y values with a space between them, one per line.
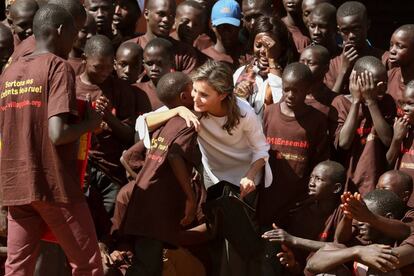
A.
pixel 189 117
pixel 246 186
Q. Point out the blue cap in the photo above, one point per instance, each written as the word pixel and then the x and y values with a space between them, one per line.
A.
pixel 226 12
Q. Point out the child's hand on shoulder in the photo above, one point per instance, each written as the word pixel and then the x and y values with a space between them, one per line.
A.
pixel 400 128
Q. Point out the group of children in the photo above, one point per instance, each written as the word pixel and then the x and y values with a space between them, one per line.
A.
pixel 231 138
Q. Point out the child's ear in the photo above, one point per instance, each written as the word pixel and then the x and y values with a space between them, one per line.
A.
pixel 146 14
pixel 337 188
pixel 389 215
pixel 83 57
pixel 406 196
pixel 60 29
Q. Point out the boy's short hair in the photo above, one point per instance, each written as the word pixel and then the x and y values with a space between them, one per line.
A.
pixel 386 202
pixel 132 46
pixel 163 44
pixel 327 10
pixel 74 7
pixel 50 16
pixel 324 53
pixel 99 45
pixel 171 85
pixel 191 3
pixel 370 64
pixel 337 171
pixel 352 8
pixel 149 4
pixel 17 5
pixel 299 71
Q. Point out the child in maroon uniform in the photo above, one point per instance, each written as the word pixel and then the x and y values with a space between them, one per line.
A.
pixel 401 60
pixel 76 55
pixel 353 26
pixel 316 57
pixel 313 223
pixel 158 61
pixel 75 9
pixel 322 28
pixel 128 62
pixel 400 154
pixel 294 23
pixel 361 124
pixel 159 15
pixel 163 201
pixel 296 145
pixel 22 13
pixel 120 104
pixel 39 177
pixel 375 256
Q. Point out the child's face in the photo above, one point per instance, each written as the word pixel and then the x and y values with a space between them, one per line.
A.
pixel 401 48
pixel 251 10
pixel 307 8
pixel 319 30
pixel 294 91
pixel 102 11
pixel 189 24
pixel 206 98
pixel 320 185
pixel 187 99
pixel 391 183
pixel 160 18
pixel 227 34
pixel 98 68
pixel 66 39
pixel 22 23
pixel 156 63
pixel 407 104
pixel 293 6
pixel 353 29
pixel 126 13
pixel 88 30
pixel 312 59
pixel 260 51
pixel 128 65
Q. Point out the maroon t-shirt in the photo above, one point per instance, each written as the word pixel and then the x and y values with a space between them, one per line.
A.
pixel 185 55
pixel 34 89
pixel 301 41
pixel 335 68
pixel 158 201
pixel 396 86
pixel 322 102
pixel 405 161
pixel 106 148
pixel 296 146
pixel 365 159
pixel 77 64
pixel 149 89
pixel 26 47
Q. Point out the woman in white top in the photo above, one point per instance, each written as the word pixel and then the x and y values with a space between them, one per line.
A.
pixel 230 134
pixel 259 82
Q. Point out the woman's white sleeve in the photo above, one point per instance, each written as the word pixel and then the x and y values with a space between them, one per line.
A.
pixel 141 127
pixel 275 83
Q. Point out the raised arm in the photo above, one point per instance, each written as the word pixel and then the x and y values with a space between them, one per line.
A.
pixel 347 133
pixel 368 90
pixel 400 132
